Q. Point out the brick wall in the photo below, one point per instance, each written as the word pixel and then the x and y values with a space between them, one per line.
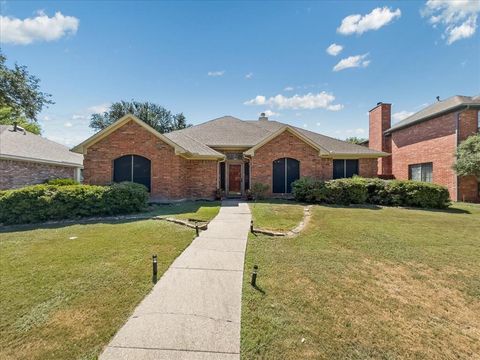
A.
pixel 16 174
pixel 429 141
pixel 379 121
pixel 468 185
pixel 173 177
pixel 311 164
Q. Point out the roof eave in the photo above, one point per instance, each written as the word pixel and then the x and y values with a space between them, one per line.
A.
pixel 42 161
pixel 433 116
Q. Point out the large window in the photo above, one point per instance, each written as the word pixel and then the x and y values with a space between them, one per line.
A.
pixel 132 168
pixel 344 168
pixel 285 171
pixel 420 172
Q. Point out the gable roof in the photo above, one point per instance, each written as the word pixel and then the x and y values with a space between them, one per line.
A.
pixel 202 141
pixel 230 132
pixel 25 146
pixel 182 144
pixel 439 108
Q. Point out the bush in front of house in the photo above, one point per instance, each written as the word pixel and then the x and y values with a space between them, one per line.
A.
pixel 61 182
pixel 258 191
pixel 359 190
pixel 40 203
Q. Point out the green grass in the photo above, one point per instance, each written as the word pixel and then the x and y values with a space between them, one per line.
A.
pixel 66 289
pixel 367 283
pixel 277 215
pixel 192 210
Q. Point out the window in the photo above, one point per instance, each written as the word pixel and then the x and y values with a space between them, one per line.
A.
pixel 246 170
pixel 344 168
pixel 421 172
pixel 132 168
pixel 285 171
pixel 478 121
pixel 222 176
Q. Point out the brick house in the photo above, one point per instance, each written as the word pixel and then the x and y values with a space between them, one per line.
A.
pixel 423 146
pixel 28 159
pixel 225 153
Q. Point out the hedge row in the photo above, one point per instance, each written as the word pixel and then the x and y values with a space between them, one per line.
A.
pixel 40 203
pixel 359 190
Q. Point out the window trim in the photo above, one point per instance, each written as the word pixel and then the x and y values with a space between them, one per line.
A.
pixel 422 169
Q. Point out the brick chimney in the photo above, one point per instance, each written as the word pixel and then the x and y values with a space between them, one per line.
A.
pixel 380 118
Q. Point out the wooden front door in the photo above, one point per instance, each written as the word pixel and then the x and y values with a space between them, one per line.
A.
pixel 235 179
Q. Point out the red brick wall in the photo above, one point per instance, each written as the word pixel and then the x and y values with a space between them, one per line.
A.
pixel 368 167
pixel 311 164
pixel 379 121
pixel 435 141
pixel 16 174
pixel 173 177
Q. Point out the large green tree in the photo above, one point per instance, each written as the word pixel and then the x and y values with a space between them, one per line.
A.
pixel 154 115
pixel 468 157
pixel 355 140
pixel 8 117
pixel 20 91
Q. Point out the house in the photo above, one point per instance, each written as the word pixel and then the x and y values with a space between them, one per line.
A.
pixel 28 159
pixel 225 153
pixel 423 146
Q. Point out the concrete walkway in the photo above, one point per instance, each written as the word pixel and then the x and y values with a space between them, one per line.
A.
pixel 193 312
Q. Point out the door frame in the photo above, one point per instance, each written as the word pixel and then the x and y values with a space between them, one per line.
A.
pixel 227 177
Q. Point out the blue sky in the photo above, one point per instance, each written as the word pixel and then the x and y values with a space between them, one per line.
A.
pixel 208 59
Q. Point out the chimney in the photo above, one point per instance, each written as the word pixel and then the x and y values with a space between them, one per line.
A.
pixel 263 117
pixel 379 121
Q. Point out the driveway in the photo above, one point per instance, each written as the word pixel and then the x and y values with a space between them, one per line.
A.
pixel 193 312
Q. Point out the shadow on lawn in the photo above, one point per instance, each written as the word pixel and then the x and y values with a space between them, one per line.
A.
pixel 155 210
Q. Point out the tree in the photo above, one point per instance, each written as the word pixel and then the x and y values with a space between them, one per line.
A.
pixel 468 157
pixel 356 140
pixel 154 115
pixel 7 117
pixel 20 91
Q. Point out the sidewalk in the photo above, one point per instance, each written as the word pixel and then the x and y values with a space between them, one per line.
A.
pixel 193 312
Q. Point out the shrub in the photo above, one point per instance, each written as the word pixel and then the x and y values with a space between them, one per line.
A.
pixel 259 191
pixel 54 202
pixel 61 182
pixel 374 191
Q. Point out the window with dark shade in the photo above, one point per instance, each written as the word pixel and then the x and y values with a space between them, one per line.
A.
pixel 246 170
pixel 222 176
pixel 345 168
pixel 421 172
pixel 132 168
pixel 285 172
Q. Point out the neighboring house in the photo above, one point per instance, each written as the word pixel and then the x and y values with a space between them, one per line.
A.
pixel 423 145
pixel 27 159
pixel 225 153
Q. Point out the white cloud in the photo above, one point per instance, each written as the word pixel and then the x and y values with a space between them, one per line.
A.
pixel 398 116
pixel 309 101
pixel 318 124
pixel 79 117
pixel 39 28
pixel 249 75
pixel 98 109
pixel 288 88
pixel 216 73
pixel 334 49
pixel 352 62
pixel 459 17
pixel 68 124
pixel 358 24
pixel 269 113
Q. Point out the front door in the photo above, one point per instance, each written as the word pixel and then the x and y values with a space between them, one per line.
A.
pixel 234 179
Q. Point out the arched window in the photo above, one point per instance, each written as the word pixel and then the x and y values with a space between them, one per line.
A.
pixel 285 171
pixel 133 168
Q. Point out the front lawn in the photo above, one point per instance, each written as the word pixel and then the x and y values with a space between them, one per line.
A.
pixel 277 215
pixel 376 283
pixel 190 210
pixel 66 289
